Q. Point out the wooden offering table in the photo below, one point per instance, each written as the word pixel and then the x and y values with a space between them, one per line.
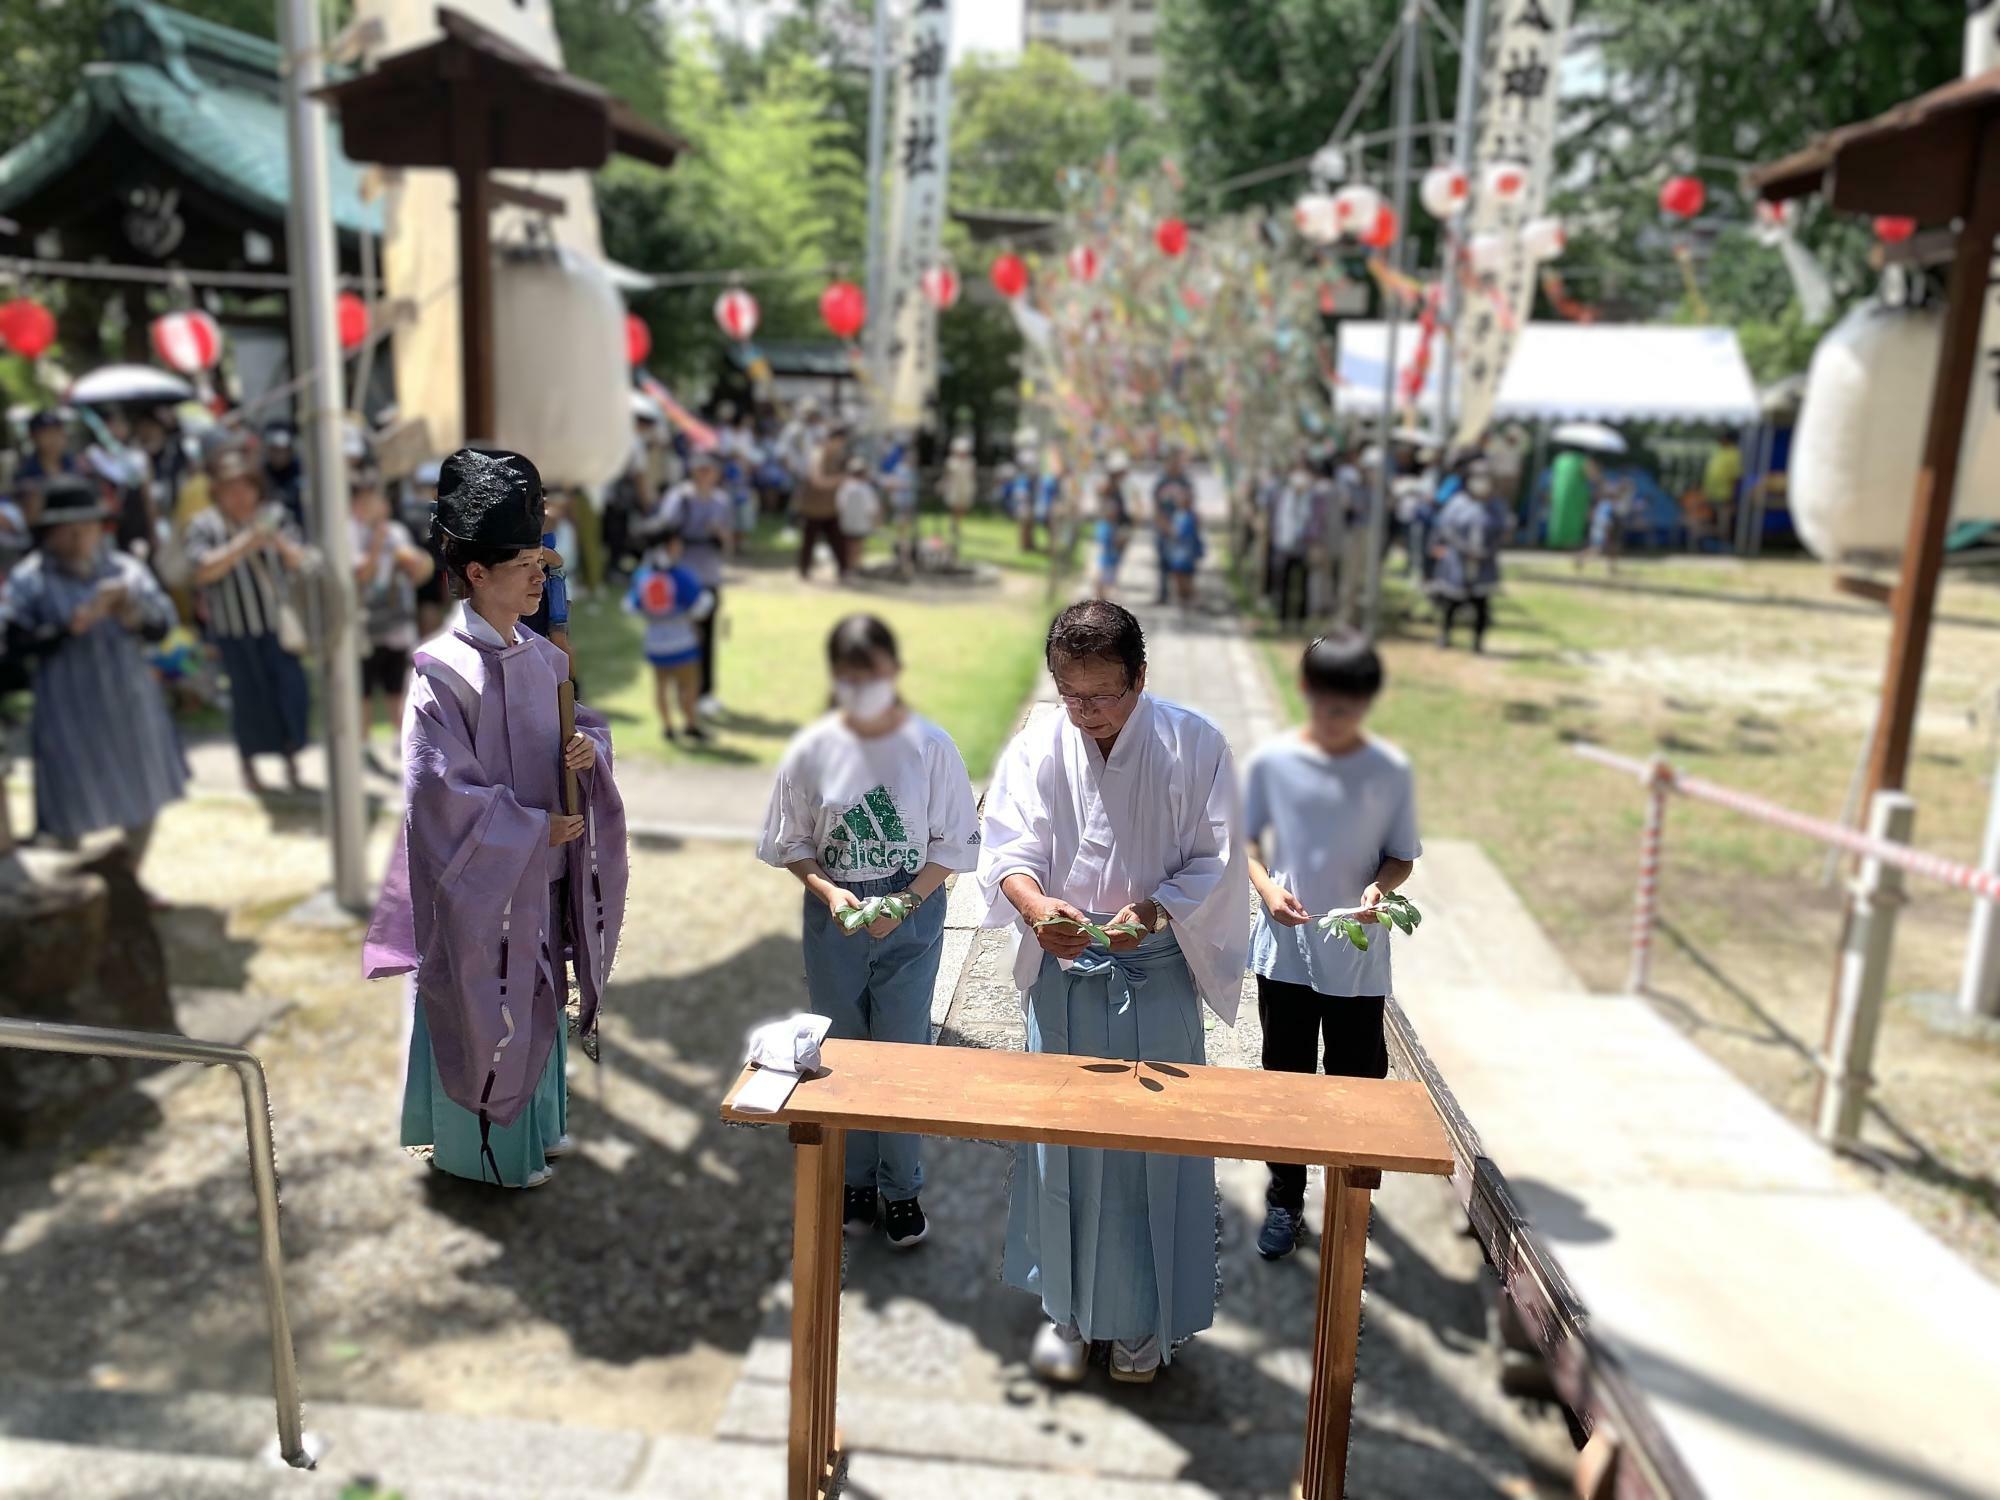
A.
pixel 1357 1128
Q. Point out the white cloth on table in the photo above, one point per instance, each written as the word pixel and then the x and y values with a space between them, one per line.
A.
pixel 1156 819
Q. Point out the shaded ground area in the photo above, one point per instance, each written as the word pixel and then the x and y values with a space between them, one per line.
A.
pixel 1758 676
pixel 621 1296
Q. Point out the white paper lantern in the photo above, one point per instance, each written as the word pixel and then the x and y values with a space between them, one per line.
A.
pixel 736 314
pixel 1860 437
pixel 1444 191
pixel 1544 238
pixel 561 388
pixel 1329 163
pixel 1356 207
pixel 1316 218
pixel 1486 252
pixel 1506 181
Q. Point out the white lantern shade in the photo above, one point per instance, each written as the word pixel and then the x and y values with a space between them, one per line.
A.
pixel 189 341
pixel 1506 181
pixel 940 287
pixel 1444 191
pixel 1329 164
pixel 1356 208
pixel 561 387
pixel 736 313
pixel 1544 238
pixel 1860 436
pixel 1486 252
pixel 1316 219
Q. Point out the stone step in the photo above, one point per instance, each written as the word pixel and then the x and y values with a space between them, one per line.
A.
pixel 700 1470
pixel 61 1444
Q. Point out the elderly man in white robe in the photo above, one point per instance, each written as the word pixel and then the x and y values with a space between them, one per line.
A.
pixel 1122 809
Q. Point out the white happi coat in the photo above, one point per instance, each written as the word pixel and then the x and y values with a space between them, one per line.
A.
pixel 1158 819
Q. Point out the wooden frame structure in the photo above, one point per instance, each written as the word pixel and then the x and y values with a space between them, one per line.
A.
pixel 475 103
pixel 1357 1128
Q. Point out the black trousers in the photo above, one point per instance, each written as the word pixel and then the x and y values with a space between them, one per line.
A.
pixel 1302 1028
pixel 704 630
pixel 1481 614
pixel 1286 567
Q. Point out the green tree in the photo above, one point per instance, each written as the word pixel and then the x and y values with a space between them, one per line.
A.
pixel 1710 90
pixel 619 45
pixel 771 183
pixel 1250 86
pixel 1016 126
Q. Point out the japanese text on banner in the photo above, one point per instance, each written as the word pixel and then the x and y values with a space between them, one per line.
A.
pixel 919 156
pixel 1517 125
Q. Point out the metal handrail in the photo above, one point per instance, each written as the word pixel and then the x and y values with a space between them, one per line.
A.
pixel 1589 1377
pixel 95 1041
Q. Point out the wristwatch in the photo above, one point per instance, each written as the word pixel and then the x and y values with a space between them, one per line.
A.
pixel 1160 917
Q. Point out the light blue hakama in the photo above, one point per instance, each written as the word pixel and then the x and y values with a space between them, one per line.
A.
pixel 519 1149
pixel 1120 1243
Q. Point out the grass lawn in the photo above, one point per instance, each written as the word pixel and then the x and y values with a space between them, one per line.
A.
pixel 969 662
pixel 1757 676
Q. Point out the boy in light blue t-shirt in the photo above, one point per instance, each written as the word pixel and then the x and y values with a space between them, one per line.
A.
pixel 1331 816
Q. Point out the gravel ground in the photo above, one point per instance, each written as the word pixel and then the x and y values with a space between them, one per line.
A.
pixel 622 1295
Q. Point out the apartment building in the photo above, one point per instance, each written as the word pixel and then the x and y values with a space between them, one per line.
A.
pixel 1113 43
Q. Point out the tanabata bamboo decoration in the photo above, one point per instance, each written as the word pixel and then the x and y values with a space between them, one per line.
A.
pixel 1101 936
pixel 1397 910
pixel 854 918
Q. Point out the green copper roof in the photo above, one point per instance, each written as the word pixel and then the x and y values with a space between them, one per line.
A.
pixel 203 98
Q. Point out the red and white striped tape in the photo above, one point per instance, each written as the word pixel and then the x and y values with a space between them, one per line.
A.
pixel 1983 883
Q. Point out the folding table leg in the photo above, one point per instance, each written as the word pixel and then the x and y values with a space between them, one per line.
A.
pixel 812 1449
pixel 1343 1252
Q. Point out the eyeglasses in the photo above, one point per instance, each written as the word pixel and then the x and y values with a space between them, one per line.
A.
pixel 1088 702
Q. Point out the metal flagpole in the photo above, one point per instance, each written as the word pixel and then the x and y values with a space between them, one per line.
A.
pixel 310 231
pixel 1378 513
pixel 878 103
pixel 1465 148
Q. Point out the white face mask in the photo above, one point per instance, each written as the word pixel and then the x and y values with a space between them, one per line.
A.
pixel 866 701
pixel 1479 486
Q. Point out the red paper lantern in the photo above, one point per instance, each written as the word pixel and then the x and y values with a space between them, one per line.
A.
pixel 844 308
pixel 736 314
pixel 26 327
pixel 1171 237
pixel 1010 275
pixel 1682 197
pixel 638 339
pixel 1891 229
pixel 940 284
pixel 350 316
pixel 1083 263
pixel 189 342
pixel 1382 233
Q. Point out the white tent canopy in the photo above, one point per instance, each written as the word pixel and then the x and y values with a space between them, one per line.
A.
pixel 1603 372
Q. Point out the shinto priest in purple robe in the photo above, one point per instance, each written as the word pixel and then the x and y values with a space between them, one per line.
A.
pixel 476 903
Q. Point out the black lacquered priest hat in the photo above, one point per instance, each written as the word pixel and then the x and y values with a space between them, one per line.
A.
pixel 489 497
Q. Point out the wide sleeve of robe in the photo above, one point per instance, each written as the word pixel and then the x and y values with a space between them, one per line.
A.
pixel 1015 838
pixel 1208 897
pixel 465 904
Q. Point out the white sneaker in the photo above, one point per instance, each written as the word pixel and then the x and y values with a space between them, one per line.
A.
pixel 564 1144
pixel 539 1177
pixel 1135 1364
pixel 709 707
pixel 1059 1355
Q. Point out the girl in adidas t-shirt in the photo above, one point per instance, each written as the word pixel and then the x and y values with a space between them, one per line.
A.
pixel 873 800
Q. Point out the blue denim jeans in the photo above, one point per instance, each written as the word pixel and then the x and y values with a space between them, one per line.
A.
pixel 877 991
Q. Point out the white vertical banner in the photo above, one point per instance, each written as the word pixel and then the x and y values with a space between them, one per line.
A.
pixel 919 157
pixel 1517 128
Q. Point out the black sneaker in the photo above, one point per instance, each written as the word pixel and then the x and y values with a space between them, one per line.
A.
pixel 860 1210
pixel 1281 1233
pixel 905 1224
